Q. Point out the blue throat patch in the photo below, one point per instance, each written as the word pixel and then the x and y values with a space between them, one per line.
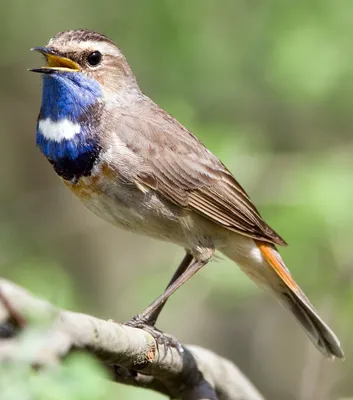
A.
pixel 67 95
pixel 73 97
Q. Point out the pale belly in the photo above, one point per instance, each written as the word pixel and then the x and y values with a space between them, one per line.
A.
pixel 128 207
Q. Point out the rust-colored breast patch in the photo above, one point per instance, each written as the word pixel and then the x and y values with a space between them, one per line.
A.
pixel 107 172
pixel 87 186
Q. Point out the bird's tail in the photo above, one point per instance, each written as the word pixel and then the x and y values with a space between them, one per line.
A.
pixel 292 298
pixel 273 275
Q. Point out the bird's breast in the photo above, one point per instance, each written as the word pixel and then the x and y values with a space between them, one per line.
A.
pixel 120 202
pixel 93 185
pixel 102 193
pixel 123 203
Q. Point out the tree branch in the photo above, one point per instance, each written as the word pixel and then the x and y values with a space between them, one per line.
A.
pixel 131 355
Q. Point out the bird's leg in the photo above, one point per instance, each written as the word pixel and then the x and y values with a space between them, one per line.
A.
pixel 185 271
pixel 146 320
pixel 150 314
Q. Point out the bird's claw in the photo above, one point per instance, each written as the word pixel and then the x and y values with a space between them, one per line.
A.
pixel 160 337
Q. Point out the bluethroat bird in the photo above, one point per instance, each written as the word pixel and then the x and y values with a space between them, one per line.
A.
pixel 134 165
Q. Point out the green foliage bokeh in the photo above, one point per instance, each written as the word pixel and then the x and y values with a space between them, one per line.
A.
pixel 267 86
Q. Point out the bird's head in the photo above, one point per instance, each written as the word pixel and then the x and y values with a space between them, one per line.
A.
pixel 86 57
pixel 85 75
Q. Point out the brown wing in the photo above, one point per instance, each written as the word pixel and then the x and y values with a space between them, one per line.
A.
pixel 180 168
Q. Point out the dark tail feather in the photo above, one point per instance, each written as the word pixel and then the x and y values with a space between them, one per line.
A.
pixel 319 333
pixel 288 293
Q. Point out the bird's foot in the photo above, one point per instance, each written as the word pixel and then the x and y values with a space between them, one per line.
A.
pixel 160 337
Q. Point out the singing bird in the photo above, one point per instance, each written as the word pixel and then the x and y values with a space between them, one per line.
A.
pixel 136 166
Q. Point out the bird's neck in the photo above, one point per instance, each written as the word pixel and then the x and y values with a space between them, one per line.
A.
pixel 68 123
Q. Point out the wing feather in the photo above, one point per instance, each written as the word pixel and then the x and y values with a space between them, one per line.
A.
pixel 181 169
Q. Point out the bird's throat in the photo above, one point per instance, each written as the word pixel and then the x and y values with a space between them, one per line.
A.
pixel 68 124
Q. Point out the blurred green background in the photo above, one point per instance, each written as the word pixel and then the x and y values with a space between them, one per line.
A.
pixel 267 86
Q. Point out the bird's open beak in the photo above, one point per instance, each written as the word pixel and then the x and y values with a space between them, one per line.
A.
pixel 56 62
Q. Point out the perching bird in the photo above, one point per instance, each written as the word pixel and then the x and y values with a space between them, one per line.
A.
pixel 137 167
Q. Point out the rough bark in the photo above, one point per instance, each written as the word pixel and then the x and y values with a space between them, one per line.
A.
pixel 132 355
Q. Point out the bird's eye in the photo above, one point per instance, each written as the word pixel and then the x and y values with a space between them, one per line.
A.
pixel 94 58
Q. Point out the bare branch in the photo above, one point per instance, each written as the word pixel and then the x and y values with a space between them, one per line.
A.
pixel 132 355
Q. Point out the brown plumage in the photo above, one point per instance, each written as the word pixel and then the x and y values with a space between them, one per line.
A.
pixel 185 172
pixel 149 174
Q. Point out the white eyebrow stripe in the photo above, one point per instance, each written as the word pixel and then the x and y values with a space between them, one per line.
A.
pixel 58 130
